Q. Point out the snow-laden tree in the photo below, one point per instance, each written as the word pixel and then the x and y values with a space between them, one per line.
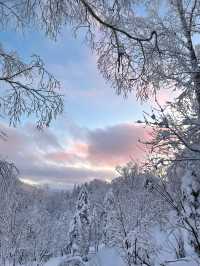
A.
pixel 190 211
pixel 142 46
pixel 40 234
pixel 181 192
pixel 142 212
pixel 12 214
pixel 80 228
pixel 27 88
pixel 112 228
pixel 115 228
pixel 60 235
pixel 95 229
pixel 148 208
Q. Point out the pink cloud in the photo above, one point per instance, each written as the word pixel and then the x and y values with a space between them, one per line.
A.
pixel 106 147
pixel 79 148
pixel 76 153
pixel 117 144
pixel 60 156
pixel 87 155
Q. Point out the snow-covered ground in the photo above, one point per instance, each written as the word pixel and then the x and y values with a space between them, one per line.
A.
pixel 110 257
pixel 54 261
pixel 105 257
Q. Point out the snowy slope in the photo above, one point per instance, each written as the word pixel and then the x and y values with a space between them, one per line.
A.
pixel 107 257
pixel 54 261
pixel 110 257
pixel 183 262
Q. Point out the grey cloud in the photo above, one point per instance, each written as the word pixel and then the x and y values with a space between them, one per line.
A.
pixel 41 158
pixel 66 176
pixel 116 144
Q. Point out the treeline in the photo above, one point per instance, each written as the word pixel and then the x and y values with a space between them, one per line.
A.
pixel 38 223
pixel 132 213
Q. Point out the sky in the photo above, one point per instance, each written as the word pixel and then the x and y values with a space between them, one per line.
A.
pixel 97 130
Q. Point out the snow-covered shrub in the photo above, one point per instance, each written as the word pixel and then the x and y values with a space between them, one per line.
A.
pixel 140 247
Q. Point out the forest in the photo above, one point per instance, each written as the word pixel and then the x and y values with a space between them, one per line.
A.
pixel 149 214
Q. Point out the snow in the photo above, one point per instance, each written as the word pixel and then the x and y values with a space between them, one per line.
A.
pixel 183 262
pixel 110 257
pixel 55 261
pixel 107 257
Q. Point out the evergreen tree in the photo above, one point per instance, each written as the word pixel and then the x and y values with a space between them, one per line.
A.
pixel 95 229
pixel 113 225
pixel 79 233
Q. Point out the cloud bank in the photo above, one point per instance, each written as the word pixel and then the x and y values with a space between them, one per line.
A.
pixel 84 155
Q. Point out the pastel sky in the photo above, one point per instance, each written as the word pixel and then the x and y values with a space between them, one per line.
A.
pixel 97 130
